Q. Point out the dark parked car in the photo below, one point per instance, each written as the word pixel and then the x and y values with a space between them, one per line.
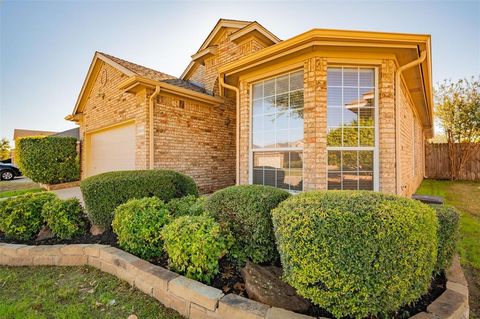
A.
pixel 9 171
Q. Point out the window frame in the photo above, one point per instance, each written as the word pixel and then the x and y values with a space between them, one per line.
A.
pixel 375 148
pixel 251 150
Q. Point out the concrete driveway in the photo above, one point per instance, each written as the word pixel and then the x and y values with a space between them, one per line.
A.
pixel 72 192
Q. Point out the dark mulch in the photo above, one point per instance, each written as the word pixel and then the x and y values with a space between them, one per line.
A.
pixel 107 238
pixel 229 278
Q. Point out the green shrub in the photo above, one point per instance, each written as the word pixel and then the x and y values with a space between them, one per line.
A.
pixel 448 221
pixel 190 205
pixel 49 160
pixel 246 211
pixel 138 224
pixel 194 245
pixel 64 217
pixel 356 254
pixel 21 217
pixel 104 192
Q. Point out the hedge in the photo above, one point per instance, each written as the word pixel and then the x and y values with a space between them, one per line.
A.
pixel 246 212
pixel 356 254
pixel 64 217
pixel 448 231
pixel 190 205
pixel 138 224
pixel 194 245
pixel 21 217
pixel 104 192
pixel 48 160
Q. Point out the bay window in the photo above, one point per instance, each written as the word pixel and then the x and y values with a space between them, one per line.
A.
pixel 351 128
pixel 277 132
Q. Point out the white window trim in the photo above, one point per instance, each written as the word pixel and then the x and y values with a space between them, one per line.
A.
pixel 375 148
pixel 250 133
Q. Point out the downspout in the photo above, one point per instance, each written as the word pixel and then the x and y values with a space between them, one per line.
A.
pixel 423 56
pixel 237 124
pixel 150 126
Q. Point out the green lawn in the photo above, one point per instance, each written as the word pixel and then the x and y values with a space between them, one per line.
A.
pixel 72 292
pixel 466 197
pixel 19 192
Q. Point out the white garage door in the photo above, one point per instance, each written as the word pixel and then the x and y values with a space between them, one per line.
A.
pixel 111 150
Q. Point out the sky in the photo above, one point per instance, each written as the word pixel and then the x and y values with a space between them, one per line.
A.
pixel 46 47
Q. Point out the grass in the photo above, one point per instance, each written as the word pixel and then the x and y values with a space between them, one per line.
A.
pixel 17 184
pixel 464 195
pixel 19 192
pixel 72 292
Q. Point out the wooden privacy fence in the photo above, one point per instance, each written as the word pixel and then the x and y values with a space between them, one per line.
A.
pixel 437 163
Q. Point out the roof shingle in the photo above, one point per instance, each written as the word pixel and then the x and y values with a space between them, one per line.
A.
pixel 155 75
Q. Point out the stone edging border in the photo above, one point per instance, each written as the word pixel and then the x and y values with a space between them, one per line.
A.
pixel 54 187
pixel 191 298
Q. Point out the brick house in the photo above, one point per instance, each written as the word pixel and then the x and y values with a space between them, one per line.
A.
pixel 327 109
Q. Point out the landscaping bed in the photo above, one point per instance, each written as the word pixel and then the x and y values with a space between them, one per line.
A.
pixel 329 254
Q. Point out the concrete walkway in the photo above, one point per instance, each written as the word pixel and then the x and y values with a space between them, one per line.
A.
pixel 72 192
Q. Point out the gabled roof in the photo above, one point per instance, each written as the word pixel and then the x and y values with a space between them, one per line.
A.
pixel 222 23
pixel 132 70
pixel 154 74
pixel 244 29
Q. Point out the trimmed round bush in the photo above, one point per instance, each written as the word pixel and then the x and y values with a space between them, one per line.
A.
pixel 64 217
pixel 356 254
pixel 194 245
pixel 245 211
pixel 190 205
pixel 49 160
pixel 448 221
pixel 104 192
pixel 21 217
pixel 138 224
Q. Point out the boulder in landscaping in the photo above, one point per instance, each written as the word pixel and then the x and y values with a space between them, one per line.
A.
pixel 264 284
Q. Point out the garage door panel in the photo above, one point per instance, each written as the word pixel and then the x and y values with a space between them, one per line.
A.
pixel 111 150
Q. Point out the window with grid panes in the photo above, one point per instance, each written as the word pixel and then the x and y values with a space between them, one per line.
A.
pixel 277 132
pixel 351 127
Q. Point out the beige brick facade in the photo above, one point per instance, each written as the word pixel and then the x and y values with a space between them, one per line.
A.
pixel 196 139
pixel 411 146
pixel 199 139
pixel 108 106
pixel 315 128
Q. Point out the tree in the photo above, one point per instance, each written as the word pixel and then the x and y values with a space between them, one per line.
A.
pixel 4 149
pixel 458 112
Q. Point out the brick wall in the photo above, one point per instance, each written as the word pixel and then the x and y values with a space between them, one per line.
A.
pixel 227 51
pixel 411 145
pixel 196 139
pixel 107 106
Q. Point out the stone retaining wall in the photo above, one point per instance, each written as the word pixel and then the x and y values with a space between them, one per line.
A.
pixel 191 298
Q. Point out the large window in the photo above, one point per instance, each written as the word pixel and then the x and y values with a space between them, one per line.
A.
pixel 351 122
pixel 277 132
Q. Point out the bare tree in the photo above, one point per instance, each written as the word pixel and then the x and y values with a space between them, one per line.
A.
pixel 458 112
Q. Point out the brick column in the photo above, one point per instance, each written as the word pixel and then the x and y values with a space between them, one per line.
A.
pixel 244 131
pixel 386 126
pixel 315 122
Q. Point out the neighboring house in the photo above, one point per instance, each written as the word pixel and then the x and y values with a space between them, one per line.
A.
pixel 327 109
pixel 19 133
pixel 74 132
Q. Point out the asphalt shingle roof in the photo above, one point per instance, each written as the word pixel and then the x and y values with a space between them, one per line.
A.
pixel 155 75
